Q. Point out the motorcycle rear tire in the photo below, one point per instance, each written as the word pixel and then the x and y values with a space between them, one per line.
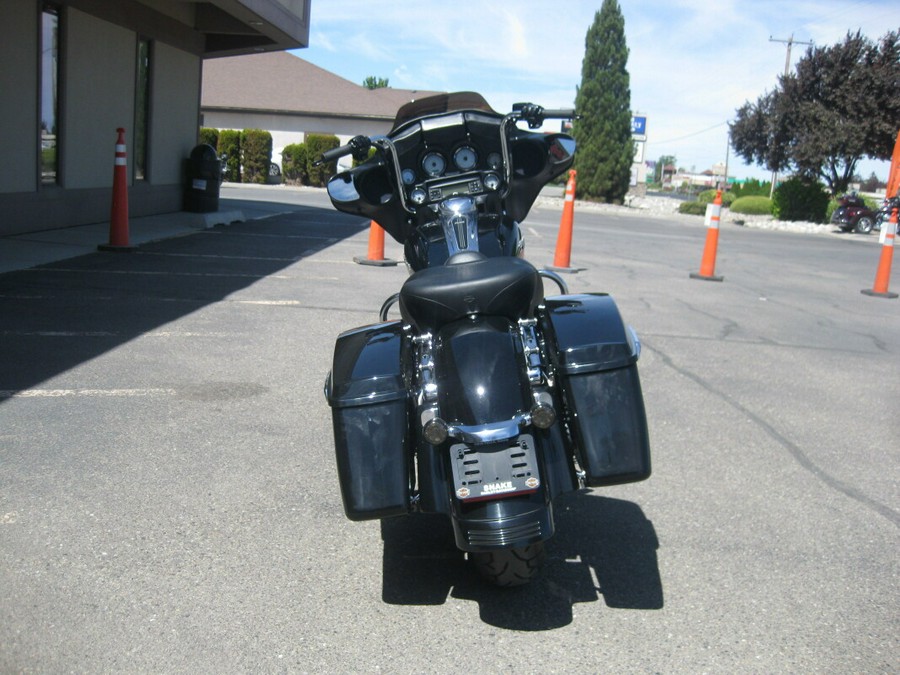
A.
pixel 510 566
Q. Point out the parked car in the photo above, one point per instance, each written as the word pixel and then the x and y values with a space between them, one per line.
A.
pixel 853 214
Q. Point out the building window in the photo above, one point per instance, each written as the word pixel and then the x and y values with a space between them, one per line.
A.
pixel 142 110
pixel 49 94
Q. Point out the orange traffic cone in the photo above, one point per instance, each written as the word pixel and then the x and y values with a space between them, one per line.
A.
pixel 376 248
pixel 118 218
pixel 562 257
pixel 708 263
pixel 883 275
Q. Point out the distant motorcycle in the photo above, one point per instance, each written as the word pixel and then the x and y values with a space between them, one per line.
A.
pixel 853 214
pixel 884 213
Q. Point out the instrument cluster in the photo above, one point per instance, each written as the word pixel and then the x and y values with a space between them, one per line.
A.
pixel 458 153
pixel 441 171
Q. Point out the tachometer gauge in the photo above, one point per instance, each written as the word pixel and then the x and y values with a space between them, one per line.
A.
pixel 409 176
pixel 434 164
pixel 465 158
pixel 495 161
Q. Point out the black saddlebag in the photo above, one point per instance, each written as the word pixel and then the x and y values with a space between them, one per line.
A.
pixel 368 400
pixel 595 357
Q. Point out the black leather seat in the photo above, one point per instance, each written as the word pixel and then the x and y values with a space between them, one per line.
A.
pixel 470 284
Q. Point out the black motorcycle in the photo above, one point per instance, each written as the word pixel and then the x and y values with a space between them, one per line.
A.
pixel 883 214
pixel 486 399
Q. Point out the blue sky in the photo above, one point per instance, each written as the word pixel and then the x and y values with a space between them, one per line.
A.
pixel 692 63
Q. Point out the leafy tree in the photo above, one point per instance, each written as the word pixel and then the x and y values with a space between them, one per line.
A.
pixel 661 164
pixel 840 106
pixel 372 82
pixel 603 101
pixel 870 184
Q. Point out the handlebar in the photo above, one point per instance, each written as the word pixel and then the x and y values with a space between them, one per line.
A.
pixel 535 114
pixel 358 146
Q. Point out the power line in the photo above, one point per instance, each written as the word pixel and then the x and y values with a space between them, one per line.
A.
pixel 696 133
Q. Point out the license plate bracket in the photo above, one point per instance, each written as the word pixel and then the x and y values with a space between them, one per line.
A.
pixel 495 471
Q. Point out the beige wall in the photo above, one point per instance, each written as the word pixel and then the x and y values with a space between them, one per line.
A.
pixel 97 79
pixel 95 105
pixel 18 103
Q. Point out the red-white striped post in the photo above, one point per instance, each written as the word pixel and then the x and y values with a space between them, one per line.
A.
pixel 118 218
pixel 883 275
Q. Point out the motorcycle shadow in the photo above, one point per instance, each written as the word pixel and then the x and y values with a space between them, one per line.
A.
pixel 603 547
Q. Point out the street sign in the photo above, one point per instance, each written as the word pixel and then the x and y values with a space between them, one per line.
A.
pixel 638 125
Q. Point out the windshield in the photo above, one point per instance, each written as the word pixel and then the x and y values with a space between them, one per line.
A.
pixel 435 105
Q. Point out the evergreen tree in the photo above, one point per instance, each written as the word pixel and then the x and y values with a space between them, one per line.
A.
pixel 603 102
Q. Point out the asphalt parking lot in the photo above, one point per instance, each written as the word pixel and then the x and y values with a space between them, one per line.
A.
pixel 169 503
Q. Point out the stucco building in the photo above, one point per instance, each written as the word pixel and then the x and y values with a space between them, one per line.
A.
pixel 290 97
pixel 73 71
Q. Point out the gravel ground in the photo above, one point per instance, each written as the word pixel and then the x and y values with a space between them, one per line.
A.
pixel 666 207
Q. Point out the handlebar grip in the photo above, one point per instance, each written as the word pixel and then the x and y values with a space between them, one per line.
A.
pixel 562 114
pixel 333 154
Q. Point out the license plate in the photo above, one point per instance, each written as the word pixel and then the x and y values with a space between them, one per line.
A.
pixel 494 472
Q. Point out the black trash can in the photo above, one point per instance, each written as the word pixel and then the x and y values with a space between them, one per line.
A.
pixel 203 177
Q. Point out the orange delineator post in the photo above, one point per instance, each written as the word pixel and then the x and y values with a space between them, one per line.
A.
pixel 883 275
pixel 563 254
pixel 708 263
pixel 376 248
pixel 118 217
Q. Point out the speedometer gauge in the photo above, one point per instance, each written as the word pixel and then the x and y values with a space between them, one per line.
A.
pixel 434 164
pixel 465 158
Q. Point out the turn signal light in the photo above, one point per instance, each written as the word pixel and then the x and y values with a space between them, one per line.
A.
pixel 435 431
pixel 543 416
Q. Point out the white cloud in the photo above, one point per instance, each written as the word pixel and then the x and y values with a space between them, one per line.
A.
pixel 692 64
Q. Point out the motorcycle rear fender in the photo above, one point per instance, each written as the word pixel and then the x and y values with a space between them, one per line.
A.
pixel 482 380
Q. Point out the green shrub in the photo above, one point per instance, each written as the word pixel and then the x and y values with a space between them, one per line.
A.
pixel 692 208
pixel 708 196
pixel 752 188
pixel 294 161
pixel 256 155
pixel 798 199
pixel 316 144
pixel 230 146
pixel 752 206
pixel 209 136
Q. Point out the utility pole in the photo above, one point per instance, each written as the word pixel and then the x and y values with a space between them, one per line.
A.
pixel 790 42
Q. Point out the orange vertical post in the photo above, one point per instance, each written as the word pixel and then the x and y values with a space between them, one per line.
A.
pixel 883 274
pixel 118 216
pixel 375 255
pixel 708 263
pixel 562 256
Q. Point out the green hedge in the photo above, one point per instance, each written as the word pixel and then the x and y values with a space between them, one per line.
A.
pixel 294 160
pixel 798 199
pixel 752 206
pixel 230 146
pixel 209 136
pixel 752 188
pixel 708 196
pixel 316 144
pixel 256 155
pixel 692 208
